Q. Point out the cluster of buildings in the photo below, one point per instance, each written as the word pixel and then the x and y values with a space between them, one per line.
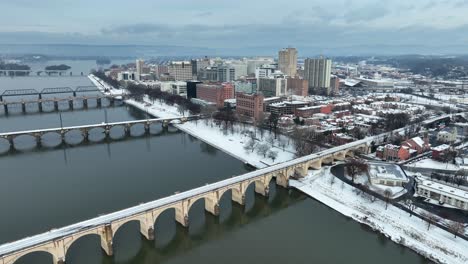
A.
pixel 406 150
pixel 251 84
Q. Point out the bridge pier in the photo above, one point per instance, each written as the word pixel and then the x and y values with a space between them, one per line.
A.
pixel 165 124
pixel 106 240
pixel 282 180
pixel 182 217
pixel 262 189
pixel 212 206
pixel 39 103
pixel 5 109
pixel 85 134
pixel 70 104
pixel 85 103
pixel 23 107
pixel 147 128
pixel 56 105
pixel 38 140
pixel 99 102
pixel 127 130
pixel 238 196
pixel 107 131
pixel 111 101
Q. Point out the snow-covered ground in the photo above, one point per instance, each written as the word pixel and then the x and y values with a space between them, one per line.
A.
pixel 433 164
pixel 104 87
pixel 435 244
pixel 225 140
pixel 422 100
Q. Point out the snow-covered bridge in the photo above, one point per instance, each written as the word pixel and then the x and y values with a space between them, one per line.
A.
pixel 85 129
pixel 58 241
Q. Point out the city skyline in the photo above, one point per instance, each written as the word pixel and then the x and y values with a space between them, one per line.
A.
pixel 313 27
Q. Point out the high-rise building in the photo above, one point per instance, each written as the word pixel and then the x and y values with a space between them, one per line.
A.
pixel 335 84
pixel 287 61
pixel 140 64
pixel 318 73
pixel 181 70
pixel 226 73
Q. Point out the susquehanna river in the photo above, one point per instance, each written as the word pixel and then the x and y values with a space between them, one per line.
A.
pixel 56 186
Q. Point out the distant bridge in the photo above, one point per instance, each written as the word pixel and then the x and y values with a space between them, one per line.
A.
pixel 45 73
pixel 85 129
pixel 54 90
pixel 55 101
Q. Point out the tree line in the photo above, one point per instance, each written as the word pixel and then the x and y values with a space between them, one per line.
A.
pixel 138 91
pixel 101 75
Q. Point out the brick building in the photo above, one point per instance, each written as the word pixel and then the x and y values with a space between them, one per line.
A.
pixel 298 86
pixel 215 93
pixel 249 105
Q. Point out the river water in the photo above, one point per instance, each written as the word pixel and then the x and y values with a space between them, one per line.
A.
pixel 55 186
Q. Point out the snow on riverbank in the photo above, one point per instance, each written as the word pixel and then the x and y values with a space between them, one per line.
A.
pixel 104 87
pixel 225 140
pixel 436 244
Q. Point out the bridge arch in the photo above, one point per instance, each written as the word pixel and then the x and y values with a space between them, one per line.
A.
pixel 71 240
pixel 44 250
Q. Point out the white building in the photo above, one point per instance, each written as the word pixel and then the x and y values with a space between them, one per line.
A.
pixel 126 76
pixel 253 64
pixel 387 174
pixel 264 71
pixel 447 137
pixel 271 87
pixel 443 194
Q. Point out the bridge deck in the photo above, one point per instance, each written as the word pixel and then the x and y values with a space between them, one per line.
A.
pixel 56 99
pixel 45 130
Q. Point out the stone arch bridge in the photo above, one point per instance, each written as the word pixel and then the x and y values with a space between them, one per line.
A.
pixel 85 129
pixel 57 242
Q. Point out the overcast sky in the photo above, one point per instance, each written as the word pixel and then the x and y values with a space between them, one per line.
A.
pixel 236 23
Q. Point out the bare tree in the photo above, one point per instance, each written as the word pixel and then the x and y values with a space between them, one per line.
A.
pixel 272 155
pixel 409 203
pixel 430 219
pixel 387 193
pixel 263 149
pixel 353 167
pixel 282 142
pixel 250 145
pixel 457 228
pixel 271 140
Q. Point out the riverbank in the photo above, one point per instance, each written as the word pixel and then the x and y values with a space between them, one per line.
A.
pixel 230 141
pixel 396 224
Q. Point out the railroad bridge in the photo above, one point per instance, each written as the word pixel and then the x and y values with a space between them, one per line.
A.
pixel 57 242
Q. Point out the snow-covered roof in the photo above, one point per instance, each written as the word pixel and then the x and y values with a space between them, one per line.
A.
pixel 441 147
pixel 443 189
